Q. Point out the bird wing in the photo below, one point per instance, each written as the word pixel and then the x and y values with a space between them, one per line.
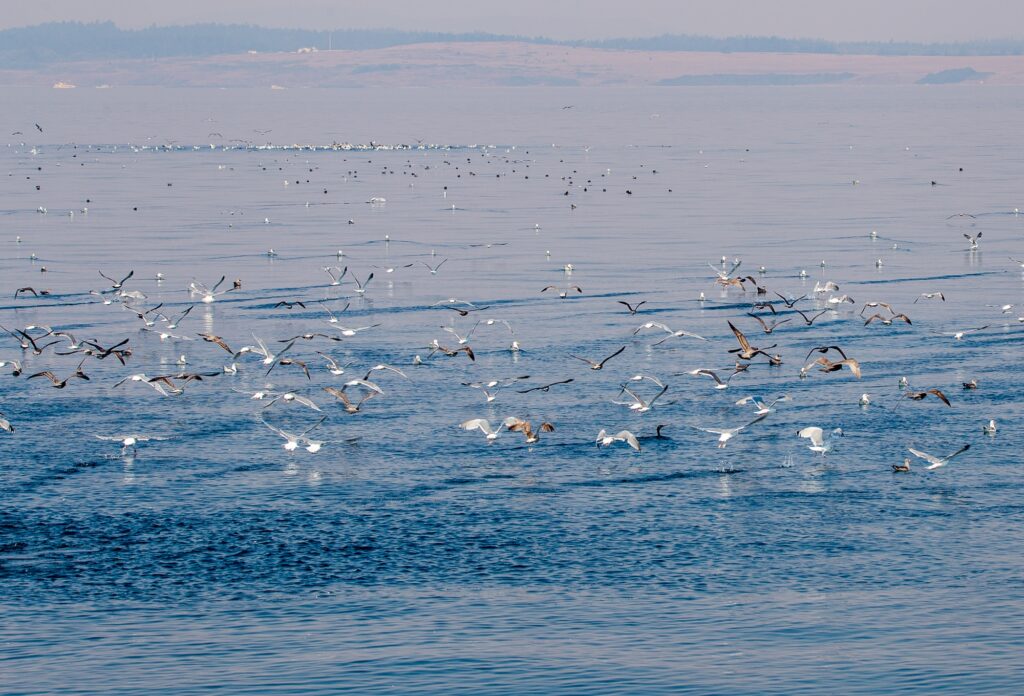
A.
pixel 629 438
pixel 934 461
pixel 816 435
pixel 940 395
pixel 744 344
pixel 612 355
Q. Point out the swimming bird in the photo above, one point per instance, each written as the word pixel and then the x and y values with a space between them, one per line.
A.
pixel 604 439
pixel 989 428
pixel 902 468
pixel 819 442
pixel 633 309
pixel 973 384
pixel 6 424
pixel 936 462
pixel 726 434
pixel 598 365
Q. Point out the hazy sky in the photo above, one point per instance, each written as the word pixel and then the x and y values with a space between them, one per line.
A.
pixel 915 20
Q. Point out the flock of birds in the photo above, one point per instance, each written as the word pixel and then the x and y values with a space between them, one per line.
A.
pixel 332 387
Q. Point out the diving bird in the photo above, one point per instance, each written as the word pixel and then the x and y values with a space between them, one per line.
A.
pixel 973 240
pixel 292 440
pixel 522 426
pixel 129 440
pixel 483 426
pixel 639 404
pixel 209 295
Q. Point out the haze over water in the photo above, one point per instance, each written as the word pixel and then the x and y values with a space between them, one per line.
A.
pixel 421 558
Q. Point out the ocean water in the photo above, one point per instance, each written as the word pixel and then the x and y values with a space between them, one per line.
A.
pixel 410 556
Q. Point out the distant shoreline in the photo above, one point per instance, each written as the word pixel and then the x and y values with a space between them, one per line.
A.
pixel 512 64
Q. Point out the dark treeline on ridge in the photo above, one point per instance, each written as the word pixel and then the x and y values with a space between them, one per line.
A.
pixel 27 47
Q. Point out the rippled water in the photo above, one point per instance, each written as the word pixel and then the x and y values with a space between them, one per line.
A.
pixel 420 558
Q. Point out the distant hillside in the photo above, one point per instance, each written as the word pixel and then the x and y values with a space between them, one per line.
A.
pixel 46 44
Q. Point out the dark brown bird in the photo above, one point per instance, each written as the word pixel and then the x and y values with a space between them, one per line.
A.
pixel 746 351
pixel 61 383
pixel 35 292
pixel 346 402
pixel 918 396
pixel 216 340
pixel 633 309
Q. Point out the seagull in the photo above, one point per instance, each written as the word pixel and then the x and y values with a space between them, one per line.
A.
pixel 293 441
pixel 604 439
pixel 829 366
pixel 933 461
pixel 336 277
pixel 532 436
pixel 790 302
pixel 208 295
pixel 438 348
pixel 128 440
pixel 61 383
pixel 726 434
pixel 725 277
pixel 918 396
pixel 216 340
pixel 15 367
pixel 490 387
pixel 564 292
pixel 763 408
pixel 288 397
pixel 930 296
pixel 973 240
pixel 35 293
pixel 887 321
pixel 546 387
pixel 332 365
pixel 433 269
pixel 491 322
pixel 598 365
pixel 117 284
pixel 827 286
pixel 633 309
pixel 811 320
pixel 989 428
pixel 719 384
pixel 483 426
pixel 959 335
pixel 343 397
pixel 361 287
pixel 333 318
pixel 639 405
pixel 820 443
pixel 746 351
pixel 6 424
pixel 768 329
pixel 350 332
pixel 261 349
pixel 672 334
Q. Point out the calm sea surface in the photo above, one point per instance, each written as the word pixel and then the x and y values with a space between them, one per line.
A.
pixel 410 556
